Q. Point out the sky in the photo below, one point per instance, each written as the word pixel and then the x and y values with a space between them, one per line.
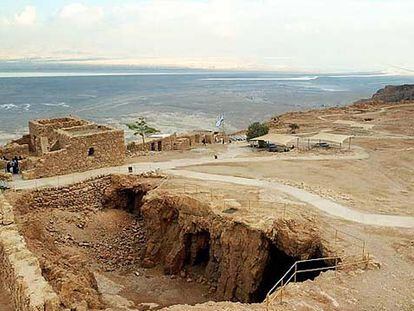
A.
pixel 280 35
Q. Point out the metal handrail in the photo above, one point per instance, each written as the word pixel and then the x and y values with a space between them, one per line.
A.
pixel 296 271
pixel 295 265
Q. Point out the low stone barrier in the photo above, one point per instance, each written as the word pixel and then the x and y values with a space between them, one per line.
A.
pixel 20 269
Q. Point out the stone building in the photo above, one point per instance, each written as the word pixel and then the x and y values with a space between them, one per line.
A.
pixel 66 145
pixel 183 141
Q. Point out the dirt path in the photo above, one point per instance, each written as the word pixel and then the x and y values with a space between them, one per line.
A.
pixel 230 156
pixel 325 205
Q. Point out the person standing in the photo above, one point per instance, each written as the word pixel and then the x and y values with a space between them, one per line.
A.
pixel 16 165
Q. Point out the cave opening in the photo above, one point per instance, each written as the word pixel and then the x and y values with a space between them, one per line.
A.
pixel 133 200
pixel 197 249
pixel 278 263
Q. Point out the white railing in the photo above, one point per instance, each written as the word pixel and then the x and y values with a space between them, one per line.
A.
pixel 280 285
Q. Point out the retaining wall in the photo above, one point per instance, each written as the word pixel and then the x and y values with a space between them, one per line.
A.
pixel 20 269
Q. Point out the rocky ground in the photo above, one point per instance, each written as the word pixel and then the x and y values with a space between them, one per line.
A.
pixel 82 252
pixel 106 256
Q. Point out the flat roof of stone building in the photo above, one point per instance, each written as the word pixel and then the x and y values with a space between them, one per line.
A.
pixel 87 129
pixel 58 120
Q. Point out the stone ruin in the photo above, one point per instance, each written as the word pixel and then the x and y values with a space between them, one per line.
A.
pixel 66 145
pixel 184 141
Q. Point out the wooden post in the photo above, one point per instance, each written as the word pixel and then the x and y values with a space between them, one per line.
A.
pixel 281 292
pixel 249 204
pixel 308 143
pixel 367 261
pixel 349 143
pixel 363 250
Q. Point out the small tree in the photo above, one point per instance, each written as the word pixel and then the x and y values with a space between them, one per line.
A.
pixel 257 129
pixel 140 127
pixel 293 127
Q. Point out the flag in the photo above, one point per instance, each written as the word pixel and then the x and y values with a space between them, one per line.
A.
pixel 220 120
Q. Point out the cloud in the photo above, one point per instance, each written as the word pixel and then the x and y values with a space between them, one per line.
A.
pixel 80 13
pixel 26 17
pixel 273 34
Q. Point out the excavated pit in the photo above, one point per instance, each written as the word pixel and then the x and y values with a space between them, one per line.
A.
pixel 117 241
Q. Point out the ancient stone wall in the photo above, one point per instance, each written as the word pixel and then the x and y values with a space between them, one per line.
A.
pixel 20 270
pixel 81 153
pixel 162 144
pixel 182 144
pixel 174 142
pixel 84 195
pixel 14 150
pixel 95 193
pixel 47 128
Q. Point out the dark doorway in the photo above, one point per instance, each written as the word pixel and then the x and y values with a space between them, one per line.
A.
pixel 91 151
pixel 197 248
pixel 133 200
pixel 278 263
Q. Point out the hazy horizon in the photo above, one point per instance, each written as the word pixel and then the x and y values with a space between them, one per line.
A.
pixel 318 36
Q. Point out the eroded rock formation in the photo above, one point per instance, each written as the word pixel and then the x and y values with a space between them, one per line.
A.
pixel 243 262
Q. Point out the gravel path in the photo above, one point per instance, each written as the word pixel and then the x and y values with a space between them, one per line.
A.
pixel 230 156
pixel 325 205
pixel 332 208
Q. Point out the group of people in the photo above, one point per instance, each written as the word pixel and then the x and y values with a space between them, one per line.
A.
pixel 12 166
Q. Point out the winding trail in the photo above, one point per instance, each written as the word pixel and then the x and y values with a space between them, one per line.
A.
pixel 325 205
pixel 230 156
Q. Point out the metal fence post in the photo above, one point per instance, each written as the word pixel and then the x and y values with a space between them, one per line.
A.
pixel 296 270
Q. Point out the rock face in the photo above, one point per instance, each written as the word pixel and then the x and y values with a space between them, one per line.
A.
pixel 241 262
pixel 181 234
pixel 395 93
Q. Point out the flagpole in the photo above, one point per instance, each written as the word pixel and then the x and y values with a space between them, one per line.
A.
pixel 222 128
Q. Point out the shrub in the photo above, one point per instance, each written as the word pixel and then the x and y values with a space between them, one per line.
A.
pixel 257 129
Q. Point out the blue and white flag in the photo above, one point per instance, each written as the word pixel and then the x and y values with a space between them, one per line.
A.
pixel 220 120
